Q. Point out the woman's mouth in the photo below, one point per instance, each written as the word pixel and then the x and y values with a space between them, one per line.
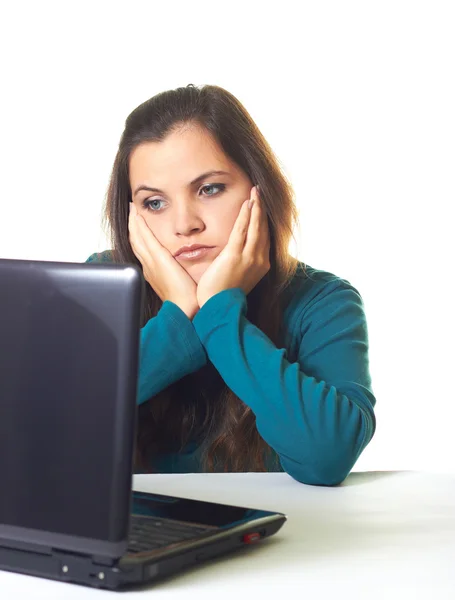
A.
pixel 193 252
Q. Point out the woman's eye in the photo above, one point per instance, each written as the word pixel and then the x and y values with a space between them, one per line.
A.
pixel 153 205
pixel 212 188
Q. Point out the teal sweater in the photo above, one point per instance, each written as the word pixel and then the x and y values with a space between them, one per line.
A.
pixel 312 399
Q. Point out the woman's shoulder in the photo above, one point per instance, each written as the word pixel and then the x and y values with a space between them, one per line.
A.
pixel 314 291
pixel 101 257
pixel 309 282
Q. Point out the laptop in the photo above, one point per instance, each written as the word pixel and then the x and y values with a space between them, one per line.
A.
pixel 69 353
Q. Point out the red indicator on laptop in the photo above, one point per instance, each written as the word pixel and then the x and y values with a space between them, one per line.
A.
pixel 251 538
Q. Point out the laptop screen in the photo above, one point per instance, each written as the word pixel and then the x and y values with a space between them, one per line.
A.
pixel 68 365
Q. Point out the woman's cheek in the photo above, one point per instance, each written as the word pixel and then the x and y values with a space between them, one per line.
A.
pixel 225 221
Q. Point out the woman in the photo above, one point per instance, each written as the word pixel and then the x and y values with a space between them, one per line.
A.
pixel 250 360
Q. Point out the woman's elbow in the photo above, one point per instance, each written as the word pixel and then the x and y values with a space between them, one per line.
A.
pixel 322 473
pixel 329 459
pixel 324 466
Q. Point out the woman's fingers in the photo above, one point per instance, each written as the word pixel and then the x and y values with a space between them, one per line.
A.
pixel 239 232
pixel 258 238
pixel 142 235
pixel 256 223
pixel 135 236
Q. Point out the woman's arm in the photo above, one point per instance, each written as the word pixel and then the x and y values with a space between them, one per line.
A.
pixel 316 413
pixel 169 347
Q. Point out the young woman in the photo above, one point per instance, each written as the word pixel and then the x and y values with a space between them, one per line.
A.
pixel 250 360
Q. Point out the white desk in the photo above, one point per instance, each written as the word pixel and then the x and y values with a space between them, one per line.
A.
pixel 378 536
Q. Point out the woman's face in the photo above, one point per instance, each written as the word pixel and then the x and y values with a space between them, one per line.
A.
pixel 184 202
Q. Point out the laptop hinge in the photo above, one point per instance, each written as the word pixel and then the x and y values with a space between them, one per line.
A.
pixel 105 561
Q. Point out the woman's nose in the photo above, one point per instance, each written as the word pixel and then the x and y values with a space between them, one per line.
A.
pixel 188 221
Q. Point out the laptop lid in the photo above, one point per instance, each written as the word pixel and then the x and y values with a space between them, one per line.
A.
pixel 69 345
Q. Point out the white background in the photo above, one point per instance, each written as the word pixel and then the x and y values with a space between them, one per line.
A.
pixel 356 98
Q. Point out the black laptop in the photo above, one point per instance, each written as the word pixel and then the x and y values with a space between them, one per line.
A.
pixel 69 349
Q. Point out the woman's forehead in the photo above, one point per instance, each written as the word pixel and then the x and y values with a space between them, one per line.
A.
pixel 184 155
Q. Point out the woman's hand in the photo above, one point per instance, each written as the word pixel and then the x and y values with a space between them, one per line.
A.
pixel 244 260
pixel 166 276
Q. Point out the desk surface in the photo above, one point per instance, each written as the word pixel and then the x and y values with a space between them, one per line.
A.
pixel 381 535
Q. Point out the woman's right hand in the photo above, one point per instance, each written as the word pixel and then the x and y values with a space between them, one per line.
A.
pixel 166 276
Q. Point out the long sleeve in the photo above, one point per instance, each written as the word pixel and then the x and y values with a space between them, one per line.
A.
pixel 169 346
pixel 169 350
pixel 316 412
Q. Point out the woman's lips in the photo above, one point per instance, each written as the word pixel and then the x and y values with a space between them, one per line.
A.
pixel 194 255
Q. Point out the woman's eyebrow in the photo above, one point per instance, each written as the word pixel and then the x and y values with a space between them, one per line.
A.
pixel 199 178
pixel 208 174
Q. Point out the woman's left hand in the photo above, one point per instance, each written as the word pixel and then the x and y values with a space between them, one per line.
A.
pixel 244 260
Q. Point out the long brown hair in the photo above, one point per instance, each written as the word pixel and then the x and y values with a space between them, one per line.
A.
pixel 200 407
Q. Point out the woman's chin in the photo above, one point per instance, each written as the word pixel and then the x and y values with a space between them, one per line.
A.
pixel 196 270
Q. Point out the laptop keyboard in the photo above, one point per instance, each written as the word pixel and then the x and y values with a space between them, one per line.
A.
pixel 149 533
